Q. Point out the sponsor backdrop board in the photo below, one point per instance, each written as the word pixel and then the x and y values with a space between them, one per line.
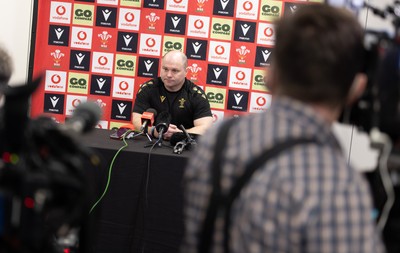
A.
pixel 102 50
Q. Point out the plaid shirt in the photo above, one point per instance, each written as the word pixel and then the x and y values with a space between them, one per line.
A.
pixel 306 199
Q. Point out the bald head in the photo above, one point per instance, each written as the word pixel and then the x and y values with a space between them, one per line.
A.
pixel 176 56
pixel 173 70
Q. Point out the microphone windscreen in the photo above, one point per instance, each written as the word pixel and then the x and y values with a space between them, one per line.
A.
pixel 87 114
pixel 164 117
pixel 147 118
pixel 163 121
pixel 153 111
pixel 177 137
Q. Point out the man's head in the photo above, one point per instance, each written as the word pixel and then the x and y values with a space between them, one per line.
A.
pixel 5 67
pixel 173 70
pixel 318 52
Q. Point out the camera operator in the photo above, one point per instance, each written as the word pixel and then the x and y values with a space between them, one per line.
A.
pixel 6 70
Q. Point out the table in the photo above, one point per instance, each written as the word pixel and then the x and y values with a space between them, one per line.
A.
pixel 142 209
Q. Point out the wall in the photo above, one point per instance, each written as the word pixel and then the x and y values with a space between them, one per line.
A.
pixel 15 36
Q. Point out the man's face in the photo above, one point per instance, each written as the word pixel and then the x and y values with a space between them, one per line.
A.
pixel 173 73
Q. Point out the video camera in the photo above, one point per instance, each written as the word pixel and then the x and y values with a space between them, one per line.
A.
pixel 43 193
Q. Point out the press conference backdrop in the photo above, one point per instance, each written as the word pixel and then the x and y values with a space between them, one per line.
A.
pixel 102 50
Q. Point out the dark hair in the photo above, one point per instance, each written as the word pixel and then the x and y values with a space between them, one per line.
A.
pixel 318 51
pixel 5 67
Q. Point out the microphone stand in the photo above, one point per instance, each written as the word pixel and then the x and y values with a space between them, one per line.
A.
pixel 190 141
pixel 159 141
pixel 184 144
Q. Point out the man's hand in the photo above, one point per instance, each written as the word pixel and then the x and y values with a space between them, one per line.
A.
pixel 171 130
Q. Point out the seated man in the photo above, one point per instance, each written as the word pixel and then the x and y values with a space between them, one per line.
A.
pixel 173 93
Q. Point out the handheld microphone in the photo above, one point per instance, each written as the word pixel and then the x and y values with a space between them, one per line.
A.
pixel 147 119
pixel 84 118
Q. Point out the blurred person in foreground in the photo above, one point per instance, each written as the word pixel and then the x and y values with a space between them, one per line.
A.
pixel 307 198
pixel 6 69
pixel 172 92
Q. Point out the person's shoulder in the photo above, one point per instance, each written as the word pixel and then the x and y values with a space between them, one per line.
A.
pixel 194 89
pixel 150 84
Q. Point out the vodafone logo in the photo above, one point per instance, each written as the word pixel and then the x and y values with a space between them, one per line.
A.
pixel 240 75
pixel 103 60
pixel 219 50
pixel 247 6
pixel 261 101
pixel 56 79
pixel 76 102
pixel 129 17
pixel 123 85
pixel 82 35
pixel 150 42
pixel 198 24
pixel 268 32
pixel 60 10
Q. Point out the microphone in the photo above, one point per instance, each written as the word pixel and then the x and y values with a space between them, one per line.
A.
pixel 147 119
pixel 85 117
pixel 190 140
pixel 164 119
pixel 177 137
pixel 182 141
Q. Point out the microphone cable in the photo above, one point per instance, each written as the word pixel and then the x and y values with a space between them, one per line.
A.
pixel 111 167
